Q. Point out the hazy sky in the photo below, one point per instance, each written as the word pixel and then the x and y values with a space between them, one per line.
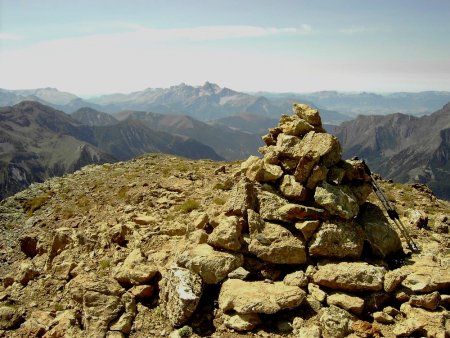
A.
pixel 91 47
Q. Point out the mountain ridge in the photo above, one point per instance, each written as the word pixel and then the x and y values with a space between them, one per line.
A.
pixel 403 147
pixel 210 101
pixel 38 142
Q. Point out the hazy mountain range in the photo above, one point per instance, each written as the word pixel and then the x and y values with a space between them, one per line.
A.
pixel 210 102
pixel 402 147
pixel 37 142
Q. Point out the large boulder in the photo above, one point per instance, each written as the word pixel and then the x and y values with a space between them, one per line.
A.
pixel 307 113
pixel 257 169
pixel 294 125
pixel 242 197
pixel 292 189
pixel 180 294
pixel 227 234
pixel 426 275
pixel 100 299
pixel 350 276
pixel 289 146
pixel 338 200
pixel 325 146
pixel 273 243
pixel 336 322
pixel 427 279
pixel 305 165
pixel 273 207
pixel 212 266
pixel 241 321
pixel 337 239
pixel 427 323
pixel 269 202
pixel 10 317
pixel 135 270
pixel 382 238
pixel 353 304
pixel 258 297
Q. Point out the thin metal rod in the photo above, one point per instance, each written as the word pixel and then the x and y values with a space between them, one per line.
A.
pixel 392 213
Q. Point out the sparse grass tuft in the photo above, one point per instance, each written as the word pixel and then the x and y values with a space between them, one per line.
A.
pixel 181 167
pixel 30 206
pixel 219 200
pixel 185 331
pixel 104 264
pixel 59 307
pixel 166 172
pixel 158 312
pixel 122 193
pixel 67 213
pixel 188 206
pixel 227 185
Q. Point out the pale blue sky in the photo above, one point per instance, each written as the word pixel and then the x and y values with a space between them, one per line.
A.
pixel 93 47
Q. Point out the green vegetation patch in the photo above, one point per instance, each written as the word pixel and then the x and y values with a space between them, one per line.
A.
pixel 30 206
pixel 188 206
pixel 219 200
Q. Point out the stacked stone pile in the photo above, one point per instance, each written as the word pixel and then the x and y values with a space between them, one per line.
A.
pixel 292 237
pixel 295 251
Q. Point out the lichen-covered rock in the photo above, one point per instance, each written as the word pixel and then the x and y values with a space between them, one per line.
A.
pixel 355 170
pixel 361 192
pixel 325 146
pixel 307 113
pixel 180 294
pixel 125 322
pixel 382 238
pixel 307 228
pixel 392 279
pixel 338 200
pixel 427 323
pixel 312 331
pixel 242 197
pixel 294 125
pixel 315 291
pixel 336 322
pixel 227 234
pixel 350 276
pixel 10 316
pixel 294 212
pixel 337 239
pixel 426 278
pixel 66 324
pixel 429 301
pixel 268 203
pixel 100 299
pixel 273 243
pixel 262 171
pixel 271 137
pixel 297 278
pixel 305 165
pixel 293 190
pixel 213 266
pixel 135 270
pixel 258 297
pixel 318 174
pixel 289 146
pixel 353 304
pixel 382 317
pixel 242 321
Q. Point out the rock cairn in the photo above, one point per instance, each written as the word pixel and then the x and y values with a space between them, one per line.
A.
pixel 292 236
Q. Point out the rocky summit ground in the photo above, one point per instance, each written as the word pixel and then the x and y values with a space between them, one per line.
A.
pixel 292 244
